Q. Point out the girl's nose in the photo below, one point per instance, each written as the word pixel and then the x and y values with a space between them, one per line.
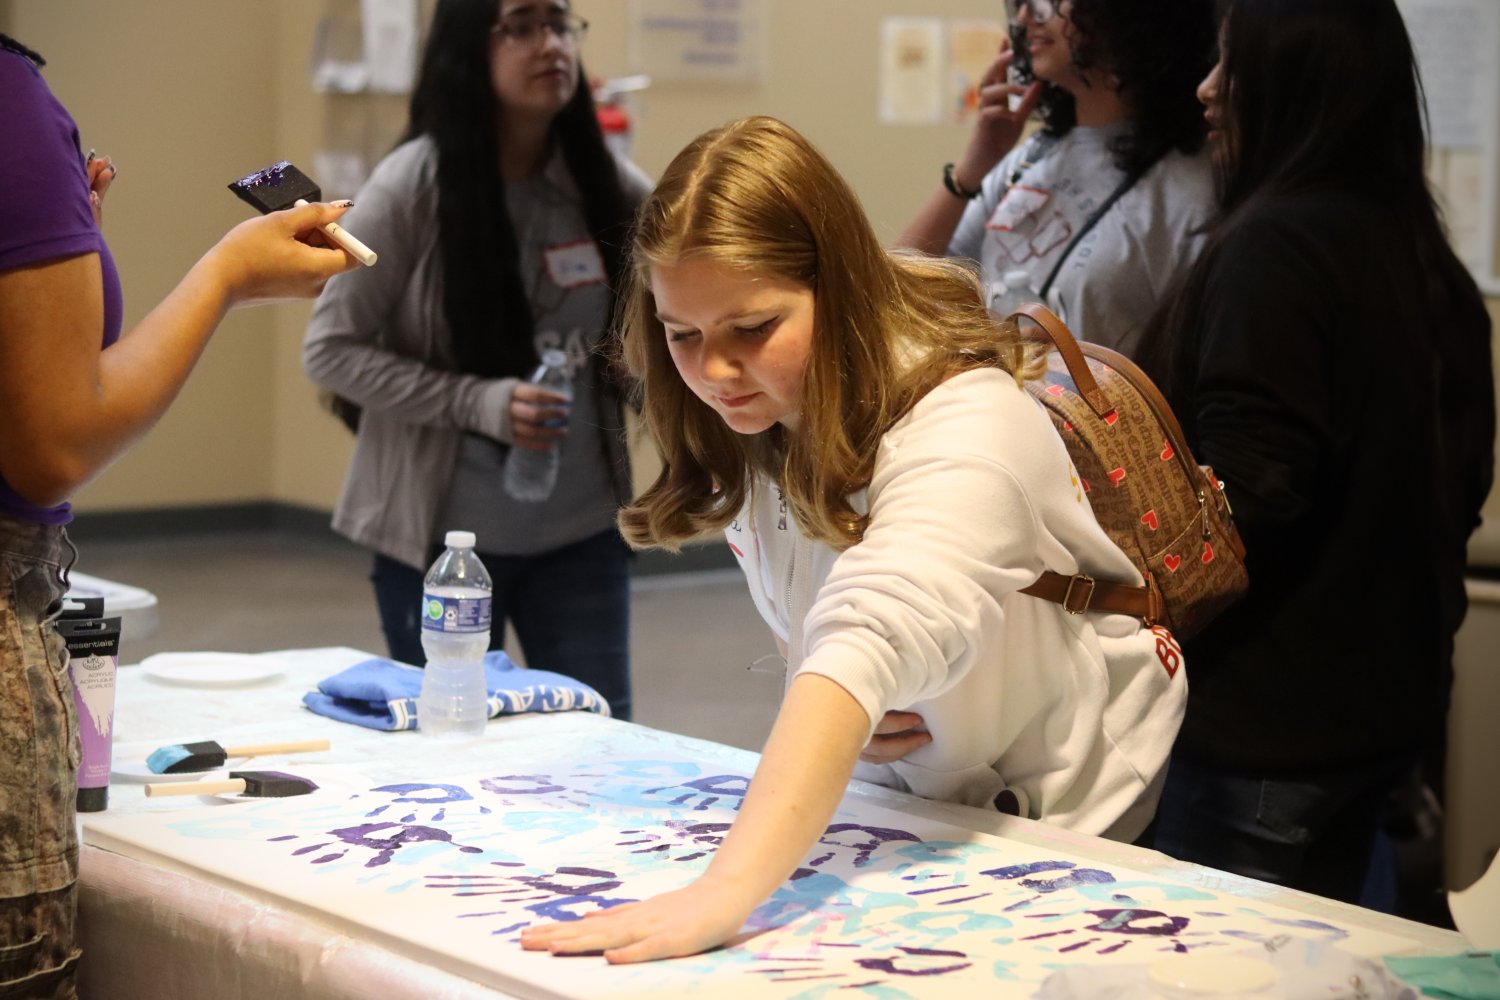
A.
pixel 719 364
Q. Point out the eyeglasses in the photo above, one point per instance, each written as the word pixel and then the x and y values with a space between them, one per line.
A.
pixel 532 29
pixel 1042 11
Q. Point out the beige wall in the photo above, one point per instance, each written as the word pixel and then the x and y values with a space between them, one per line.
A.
pixel 174 98
pixel 188 95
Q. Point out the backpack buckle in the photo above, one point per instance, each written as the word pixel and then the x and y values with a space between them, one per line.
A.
pixel 1084 600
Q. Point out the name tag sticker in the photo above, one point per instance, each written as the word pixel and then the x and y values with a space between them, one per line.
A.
pixel 574 265
pixel 1019 204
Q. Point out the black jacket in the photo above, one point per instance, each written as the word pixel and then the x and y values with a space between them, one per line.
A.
pixel 1341 388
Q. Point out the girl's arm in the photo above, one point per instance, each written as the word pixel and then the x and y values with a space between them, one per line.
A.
pixel 803 772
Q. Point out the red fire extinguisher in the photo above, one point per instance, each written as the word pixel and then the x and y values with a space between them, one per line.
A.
pixel 614 116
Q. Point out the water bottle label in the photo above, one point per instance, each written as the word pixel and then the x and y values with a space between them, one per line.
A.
pixel 455 614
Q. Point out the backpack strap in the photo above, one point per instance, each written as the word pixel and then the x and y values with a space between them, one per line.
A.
pixel 1081 593
pixel 1072 355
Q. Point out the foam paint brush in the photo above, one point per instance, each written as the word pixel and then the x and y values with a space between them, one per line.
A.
pixel 281 186
pixel 255 784
pixel 181 758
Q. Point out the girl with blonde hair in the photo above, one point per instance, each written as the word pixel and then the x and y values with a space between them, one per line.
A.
pixel 854 422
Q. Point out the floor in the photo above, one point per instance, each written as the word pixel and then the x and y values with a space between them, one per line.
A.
pixel 694 636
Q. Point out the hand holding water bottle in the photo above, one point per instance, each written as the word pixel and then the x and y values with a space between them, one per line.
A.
pixel 539 416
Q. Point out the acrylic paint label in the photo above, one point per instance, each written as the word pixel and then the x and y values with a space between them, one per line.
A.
pixel 93 654
pixel 94 694
pixel 455 614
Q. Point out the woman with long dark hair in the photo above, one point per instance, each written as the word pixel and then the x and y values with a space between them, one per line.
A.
pixel 500 220
pixel 1330 358
pixel 1098 213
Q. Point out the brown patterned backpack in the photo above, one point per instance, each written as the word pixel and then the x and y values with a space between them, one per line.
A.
pixel 1166 512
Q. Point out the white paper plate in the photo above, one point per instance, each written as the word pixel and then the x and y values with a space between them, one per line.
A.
pixel 211 670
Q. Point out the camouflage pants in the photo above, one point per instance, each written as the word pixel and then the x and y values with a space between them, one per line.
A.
pixel 39 754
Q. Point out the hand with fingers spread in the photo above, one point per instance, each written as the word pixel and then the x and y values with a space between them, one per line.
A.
pixel 686 921
pixel 796 788
pixel 896 735
pixel 539 417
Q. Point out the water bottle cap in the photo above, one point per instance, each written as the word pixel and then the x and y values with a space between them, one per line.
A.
pixel 459 539
pixel 553 358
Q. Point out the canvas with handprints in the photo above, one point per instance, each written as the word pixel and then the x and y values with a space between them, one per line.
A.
pixel 887 906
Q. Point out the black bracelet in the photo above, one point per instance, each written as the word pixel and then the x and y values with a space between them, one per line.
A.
pixel 955 189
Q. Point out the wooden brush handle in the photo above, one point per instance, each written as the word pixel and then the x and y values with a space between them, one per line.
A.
pixel 159 789
pixel 292 747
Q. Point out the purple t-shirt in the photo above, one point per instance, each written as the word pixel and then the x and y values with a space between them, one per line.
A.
pixel 44 211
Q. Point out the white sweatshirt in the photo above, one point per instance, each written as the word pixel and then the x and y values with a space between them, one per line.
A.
pixel 973 495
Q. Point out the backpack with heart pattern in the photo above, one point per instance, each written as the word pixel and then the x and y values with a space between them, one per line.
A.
pixel 1167 513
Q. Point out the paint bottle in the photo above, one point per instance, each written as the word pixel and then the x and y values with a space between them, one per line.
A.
pixel 93 654
pixel 456 611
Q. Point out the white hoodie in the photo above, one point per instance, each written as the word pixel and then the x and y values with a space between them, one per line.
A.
pixel 973 495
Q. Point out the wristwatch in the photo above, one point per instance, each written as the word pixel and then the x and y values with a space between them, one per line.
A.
pixel 956 189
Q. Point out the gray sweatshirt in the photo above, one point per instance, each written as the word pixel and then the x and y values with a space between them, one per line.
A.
pixel 1113 280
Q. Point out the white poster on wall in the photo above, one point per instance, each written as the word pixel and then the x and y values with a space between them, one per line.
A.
pixel 700 40
pixel 390 37
pixel 911 71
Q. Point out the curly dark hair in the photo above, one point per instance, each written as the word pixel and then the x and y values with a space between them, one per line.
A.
pixel 1158 50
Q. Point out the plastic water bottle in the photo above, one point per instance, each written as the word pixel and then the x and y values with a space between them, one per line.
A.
pixel 456 610
pixel 530 475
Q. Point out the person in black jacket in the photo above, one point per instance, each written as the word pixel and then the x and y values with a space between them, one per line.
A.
pixel 1330 358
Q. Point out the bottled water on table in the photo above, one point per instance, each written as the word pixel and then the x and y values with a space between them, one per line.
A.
pixel 456 609
pixel 531 475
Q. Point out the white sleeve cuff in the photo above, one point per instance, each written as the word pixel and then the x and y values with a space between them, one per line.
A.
pixel 853 669
pixel 492 410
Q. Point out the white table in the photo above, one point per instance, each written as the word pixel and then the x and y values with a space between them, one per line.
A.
pixel 152 931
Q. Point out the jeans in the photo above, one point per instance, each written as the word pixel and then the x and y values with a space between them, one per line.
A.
pixel 1315 832
pixel 570 608
pixel 39 754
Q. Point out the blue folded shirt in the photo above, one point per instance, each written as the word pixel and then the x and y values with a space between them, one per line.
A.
pixel 382 694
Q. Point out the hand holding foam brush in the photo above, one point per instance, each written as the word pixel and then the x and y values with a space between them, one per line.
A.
pixel 281 186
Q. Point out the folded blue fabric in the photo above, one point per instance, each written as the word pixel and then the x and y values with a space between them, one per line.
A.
pixel 1470 975
pixel 382 694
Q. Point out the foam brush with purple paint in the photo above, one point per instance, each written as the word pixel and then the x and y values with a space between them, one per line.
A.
pixel 252 784
pixel 281 186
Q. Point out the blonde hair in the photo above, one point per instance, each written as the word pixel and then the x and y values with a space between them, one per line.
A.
pixel 756 196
